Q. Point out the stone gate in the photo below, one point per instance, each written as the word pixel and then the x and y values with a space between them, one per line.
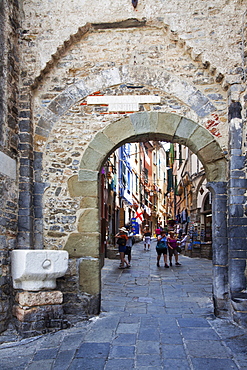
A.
pixel 198 73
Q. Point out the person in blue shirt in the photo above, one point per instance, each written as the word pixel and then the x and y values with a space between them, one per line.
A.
pixel 162 248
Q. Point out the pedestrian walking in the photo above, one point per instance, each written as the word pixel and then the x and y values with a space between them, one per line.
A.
pixel 157 231
pixel 173 248
pixel 121 241
pixel 161 248
pixel 147 239
pixel 129 244
pixel 183 241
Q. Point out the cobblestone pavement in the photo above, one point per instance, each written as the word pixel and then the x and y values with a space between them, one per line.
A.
pixel 152 318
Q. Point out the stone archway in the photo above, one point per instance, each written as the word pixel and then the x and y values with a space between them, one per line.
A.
pixel 142 127
pixel 187 127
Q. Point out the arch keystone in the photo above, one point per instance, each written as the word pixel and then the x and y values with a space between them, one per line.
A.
pixel 168 123
pixel 144 122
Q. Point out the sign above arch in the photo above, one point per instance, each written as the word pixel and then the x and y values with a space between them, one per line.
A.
pixel 189 95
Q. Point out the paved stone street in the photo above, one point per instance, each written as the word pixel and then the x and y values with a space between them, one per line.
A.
pixel 152 318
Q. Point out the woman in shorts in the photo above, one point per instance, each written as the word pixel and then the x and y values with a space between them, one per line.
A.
pixel 121 241
pixel 173 250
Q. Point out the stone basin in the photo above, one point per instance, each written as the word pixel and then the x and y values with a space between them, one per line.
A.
pixel 34 270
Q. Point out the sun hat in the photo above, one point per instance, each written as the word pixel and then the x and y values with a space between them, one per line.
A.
pixel 122 229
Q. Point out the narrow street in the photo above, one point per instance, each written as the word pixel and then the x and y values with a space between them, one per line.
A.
pixel 152 318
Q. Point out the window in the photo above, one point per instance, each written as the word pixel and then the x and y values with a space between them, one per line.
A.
pixel 145 175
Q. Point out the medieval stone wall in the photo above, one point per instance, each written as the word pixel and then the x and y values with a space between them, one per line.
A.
pixel 213 28
pixel 186 55
pixel 9 79
pixel 191 55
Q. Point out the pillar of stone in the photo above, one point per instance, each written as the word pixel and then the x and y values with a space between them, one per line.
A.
pixel 237 214
pixel 237 199
pixel 220 248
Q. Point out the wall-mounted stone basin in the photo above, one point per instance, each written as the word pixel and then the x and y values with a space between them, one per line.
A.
pixel 34 270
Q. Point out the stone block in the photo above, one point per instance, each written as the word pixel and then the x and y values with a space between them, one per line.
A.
pixel 61 103
pixel 236 243
pixel 240 318
pixel 220 225
pixel 89 276
pixel 144 122
pixel 199 139
pixel 216 171
pixel 89 202
pixel 168 123
pixel 234 191
pixel 37 313
pixel 92 159
pixel 237 162
pixel 238 233
pixel 75 93
pixel 210 153
pixel 82 188
pixel 238 183
pixel 221 307
pixel 234 199
pixel 93 84
pixel 242 254
pixel 237 221
pixel 88 221
pixel 80 85
pixel 239 302
pixel 88 175
pixel 120 130
pixel 184 130
pixel 236 210
pixel 31 299
pixel 236 131
pixel 220 253
pixel 220 281
pixel 237 279
pixel 200 103
pixel 220 203
pixel 101 143
pixel 83 245
pixel 44 124
pixel 111 77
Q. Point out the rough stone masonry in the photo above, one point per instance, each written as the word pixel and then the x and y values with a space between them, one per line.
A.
pixel 54 55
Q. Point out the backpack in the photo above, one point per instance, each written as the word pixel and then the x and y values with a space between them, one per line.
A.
pixel 162 243
pixel 121 241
